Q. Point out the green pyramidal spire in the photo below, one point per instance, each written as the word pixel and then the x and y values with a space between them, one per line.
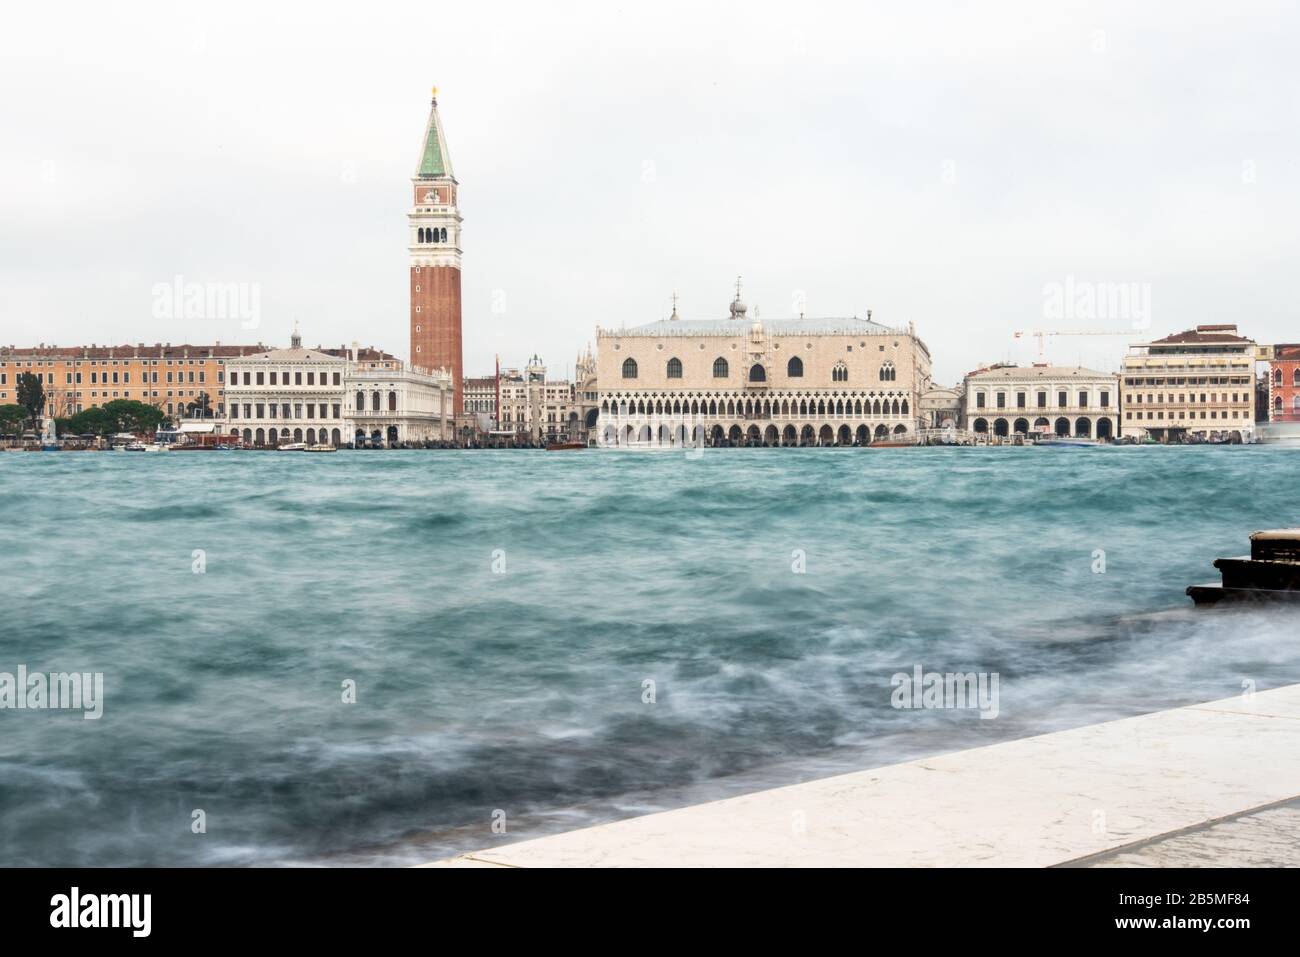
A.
pixel 435 161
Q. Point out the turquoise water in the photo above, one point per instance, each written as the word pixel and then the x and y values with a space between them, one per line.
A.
pixel 521 689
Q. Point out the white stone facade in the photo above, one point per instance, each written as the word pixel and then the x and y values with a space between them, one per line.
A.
pixel 389 406
pixel 334 397
pixel 1005 401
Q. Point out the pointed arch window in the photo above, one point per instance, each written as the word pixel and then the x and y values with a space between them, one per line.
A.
pixel 840 373
pixel 757 373
pixel 794 368
pixel 720 368
pixel 629 368
pixel 674 368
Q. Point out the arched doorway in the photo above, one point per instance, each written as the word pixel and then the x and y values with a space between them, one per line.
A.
pixel 1041 424
pixel 261 437
pixel 769 435
pixel 806 435
pixel 981 426
pixel 1000 428
pixel 376 437
pixel 845 435
pixel 392 435
pixel 734 434
pixel 1021 426
pixel 1104 429
pixel 751 435
pixel 1083 428
pixel 826 436
pixel 1063 427
pixel 864 435
pixel 297 435
pixel 789 436
pixel 311 436
pixel 882 431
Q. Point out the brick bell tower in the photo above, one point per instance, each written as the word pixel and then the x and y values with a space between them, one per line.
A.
pixel 434 245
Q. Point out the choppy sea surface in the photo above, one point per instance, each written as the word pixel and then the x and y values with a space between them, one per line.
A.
pixel 503 614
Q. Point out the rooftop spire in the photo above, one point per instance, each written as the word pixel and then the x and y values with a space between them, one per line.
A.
pixel 435 161
pixel 738 308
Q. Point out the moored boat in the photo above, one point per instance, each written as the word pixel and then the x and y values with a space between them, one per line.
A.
pixel 1064 442
pixel 293 447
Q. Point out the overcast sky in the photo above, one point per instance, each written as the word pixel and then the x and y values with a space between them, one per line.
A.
pixel 933 162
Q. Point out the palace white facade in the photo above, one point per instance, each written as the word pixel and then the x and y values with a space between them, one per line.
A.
pixel 1005 401
pixel 739 381
pixel 334 397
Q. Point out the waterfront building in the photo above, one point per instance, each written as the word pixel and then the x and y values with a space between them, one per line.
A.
pixel 433 246
pixel 529 407
pixel 1284 384
pixel 586 391
pixel 1199 383
pixel 940 409
pixel 743 380
pixel 538 409
pixel 171 378
pixel 480 404
pixel 1006 400
pixel 334 397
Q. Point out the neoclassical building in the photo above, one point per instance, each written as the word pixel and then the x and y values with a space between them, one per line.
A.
pixel 1004 401
pixel 742 381
pixel 334 397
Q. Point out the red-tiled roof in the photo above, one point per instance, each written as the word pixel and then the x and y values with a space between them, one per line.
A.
pixel 157 350
pixel 161 350
pixel 1200 334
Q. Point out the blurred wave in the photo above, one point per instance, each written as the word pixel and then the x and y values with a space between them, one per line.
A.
pixel 502 613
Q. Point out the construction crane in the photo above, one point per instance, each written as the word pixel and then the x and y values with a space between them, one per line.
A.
pixel 1042 334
